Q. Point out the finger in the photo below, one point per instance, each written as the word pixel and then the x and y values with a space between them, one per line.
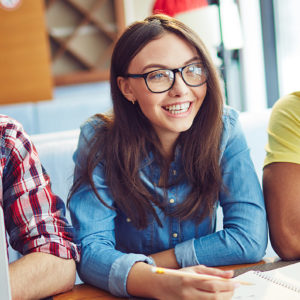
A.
pixel 215 286
pixel 214 296
pixel 213 271
pixel 211 292
pixel 221 273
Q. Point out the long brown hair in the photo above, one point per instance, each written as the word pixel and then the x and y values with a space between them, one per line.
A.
pixel 124 139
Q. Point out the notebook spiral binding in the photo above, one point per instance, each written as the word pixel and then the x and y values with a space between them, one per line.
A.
pixel 280 282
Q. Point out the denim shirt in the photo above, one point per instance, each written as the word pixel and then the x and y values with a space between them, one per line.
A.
pixel 110 244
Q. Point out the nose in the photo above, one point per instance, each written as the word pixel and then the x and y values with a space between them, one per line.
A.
pixel 179 87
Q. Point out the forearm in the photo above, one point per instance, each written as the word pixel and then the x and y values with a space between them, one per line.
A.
pixel 143 282
pixel 38 275
pixel 232 246
pixel 166 259
pixel 244 244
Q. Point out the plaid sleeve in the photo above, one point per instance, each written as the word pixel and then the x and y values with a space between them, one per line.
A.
pixel 34 216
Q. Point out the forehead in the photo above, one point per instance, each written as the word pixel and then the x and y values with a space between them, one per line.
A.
pixel 169 51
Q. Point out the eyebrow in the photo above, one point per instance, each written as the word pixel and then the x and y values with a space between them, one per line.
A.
pixel 158 66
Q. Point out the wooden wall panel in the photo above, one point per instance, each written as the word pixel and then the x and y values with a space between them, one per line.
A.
pixel 82 35
pixel 25 67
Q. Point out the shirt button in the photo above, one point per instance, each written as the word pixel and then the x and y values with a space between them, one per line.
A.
pixel 175 235
pixel 172 200
pixel 128 220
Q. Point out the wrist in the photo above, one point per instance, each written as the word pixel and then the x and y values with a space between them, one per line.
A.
pixel 152 262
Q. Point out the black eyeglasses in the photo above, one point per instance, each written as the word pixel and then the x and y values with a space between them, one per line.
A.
pixel 162 80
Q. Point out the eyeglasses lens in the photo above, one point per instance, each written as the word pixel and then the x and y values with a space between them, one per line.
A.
pixel 162 80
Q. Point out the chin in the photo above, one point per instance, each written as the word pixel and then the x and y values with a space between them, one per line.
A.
pixel 187 126
pixel 183 129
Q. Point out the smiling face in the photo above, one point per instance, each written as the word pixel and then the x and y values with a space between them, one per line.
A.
pixel 173 111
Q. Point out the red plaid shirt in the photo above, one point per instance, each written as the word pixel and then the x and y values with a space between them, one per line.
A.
pixel 34 217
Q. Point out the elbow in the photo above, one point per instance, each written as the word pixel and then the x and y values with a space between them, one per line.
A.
pixel 83 275
pixel 84 269
pixel 253 249
pixel 285 239
pixel 248 254
pixel 286 248
pixel 257 247
pixel 69 285
pixel 288 255
pixel 254 254
pixel 91 271
pixel 70 275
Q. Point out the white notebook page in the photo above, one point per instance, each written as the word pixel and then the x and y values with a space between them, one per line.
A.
pixel 282 283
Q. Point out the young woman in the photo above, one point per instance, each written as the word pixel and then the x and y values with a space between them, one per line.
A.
pixel 149 178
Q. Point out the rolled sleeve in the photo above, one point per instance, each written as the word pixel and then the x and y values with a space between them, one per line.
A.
pixel 41 226
pixel 120 270
pixel 56 240
pixel 185 254
pixel 34 217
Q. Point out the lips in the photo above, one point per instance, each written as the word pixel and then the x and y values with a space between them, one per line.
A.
pixel 178 108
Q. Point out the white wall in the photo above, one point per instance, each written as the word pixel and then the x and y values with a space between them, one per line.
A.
pixel 252 59
pixel 206 23
pixel 287 24
pixel 137 10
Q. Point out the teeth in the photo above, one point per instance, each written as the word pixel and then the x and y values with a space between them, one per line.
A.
pixel 178 108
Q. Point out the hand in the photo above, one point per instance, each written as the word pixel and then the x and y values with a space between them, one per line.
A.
pixel 190 288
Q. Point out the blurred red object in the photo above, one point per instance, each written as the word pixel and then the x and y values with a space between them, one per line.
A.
pixel 173 7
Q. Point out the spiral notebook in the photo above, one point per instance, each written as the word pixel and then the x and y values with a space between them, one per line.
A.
pixel 281 283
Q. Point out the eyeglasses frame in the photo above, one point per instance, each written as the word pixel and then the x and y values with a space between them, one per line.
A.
pixel 174 71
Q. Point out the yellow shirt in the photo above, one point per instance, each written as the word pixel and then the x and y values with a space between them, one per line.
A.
pixel 284 131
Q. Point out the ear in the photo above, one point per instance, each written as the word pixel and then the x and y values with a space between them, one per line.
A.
pixel 125 88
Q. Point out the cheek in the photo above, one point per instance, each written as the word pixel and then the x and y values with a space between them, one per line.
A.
pixel 150 105
pixel 146 98
pixel 141 92
pixel 147 104
pixel 201 93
